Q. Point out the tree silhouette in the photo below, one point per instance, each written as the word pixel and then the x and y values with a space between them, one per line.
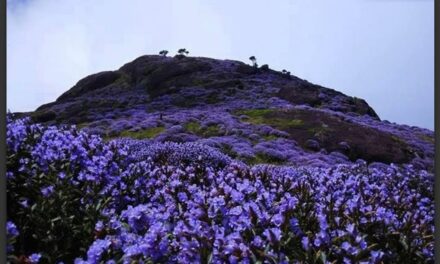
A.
pixel 254 61
pixel 163 53
pixel 183 52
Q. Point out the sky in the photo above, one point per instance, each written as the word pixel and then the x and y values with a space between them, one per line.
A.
pixel 378 50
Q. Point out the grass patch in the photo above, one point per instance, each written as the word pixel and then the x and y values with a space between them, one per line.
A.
pixel 398 140
pixel 82 125
pixel 184 102
pixel 124 79
pixel 255 114
pixel 320 132
pixel 212 131
pixel 142 134
pixel 227 149
pixel 198 82
pixel 193 127
pixel 270 137
pixel 197 129
pixel 261 158
pixel 269 117
pixel 212 98
pixel 426 138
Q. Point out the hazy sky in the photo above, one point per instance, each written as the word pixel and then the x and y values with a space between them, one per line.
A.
pixel 378 50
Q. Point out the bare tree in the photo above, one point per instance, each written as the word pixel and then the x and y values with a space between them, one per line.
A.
pixel 254 61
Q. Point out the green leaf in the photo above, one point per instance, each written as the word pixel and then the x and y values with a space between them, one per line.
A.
pixel 403 242
pixel 323 257
pixel 56 219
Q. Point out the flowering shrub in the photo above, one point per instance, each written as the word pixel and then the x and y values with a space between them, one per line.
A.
pixel 274 215
pixel 58 180
pixel 174 153
pixel 72 196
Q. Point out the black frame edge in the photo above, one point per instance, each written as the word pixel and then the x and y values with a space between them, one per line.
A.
pixel 437 135
pixel 3 107
pixel 3 204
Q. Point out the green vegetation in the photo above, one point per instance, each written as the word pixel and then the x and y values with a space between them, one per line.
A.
pixel 82 125
pixel 398 140
pixel 212 131
pixel 200 82
pixel 197 129
pixel 193 127
pixel 320 132
pixel 269 117
pixel 270 137
pixel 227 149
pixel 426 138
pixel 123 80
pixel 184 102
pixel 254 113
pixel 261 158
pixel 212 98
pixel 142 134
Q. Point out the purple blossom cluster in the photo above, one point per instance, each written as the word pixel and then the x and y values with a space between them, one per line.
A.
pixel 347 214
pixel 11 233
pixel 11 236
pixel 135 201
pixel 174 153
pixel 246 141
pixel 207 99
pixel 58 178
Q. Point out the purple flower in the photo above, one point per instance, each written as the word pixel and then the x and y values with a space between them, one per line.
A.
pixel 345 246
pixel 163 203
pixel 182 197
pixel 99 226
pixel 322 222
pixel 25 203
pixel 294 224
pixel 350 228
pixel 46 191
pixel 11 229
pixel 62 175
pixel 237 196
pixel 134 250
pixel 321 238
pixel 96 249
pixel 273 234
pixel 258 242
pixel 236 211
pixel 277 220
pixel 376 255
pixel 305 243
pixel 34 258
pixel 9 175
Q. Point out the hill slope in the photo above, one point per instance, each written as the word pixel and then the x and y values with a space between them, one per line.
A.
pixel 257 115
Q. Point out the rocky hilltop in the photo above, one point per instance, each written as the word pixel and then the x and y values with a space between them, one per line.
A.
pixel 254 114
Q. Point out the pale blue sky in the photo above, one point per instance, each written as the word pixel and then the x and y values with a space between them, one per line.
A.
pixel 379 50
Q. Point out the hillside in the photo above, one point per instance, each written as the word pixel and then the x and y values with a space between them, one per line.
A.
pixel 176 160
pixel 257 115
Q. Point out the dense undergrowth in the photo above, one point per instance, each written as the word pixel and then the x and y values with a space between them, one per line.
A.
pixel 74 198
